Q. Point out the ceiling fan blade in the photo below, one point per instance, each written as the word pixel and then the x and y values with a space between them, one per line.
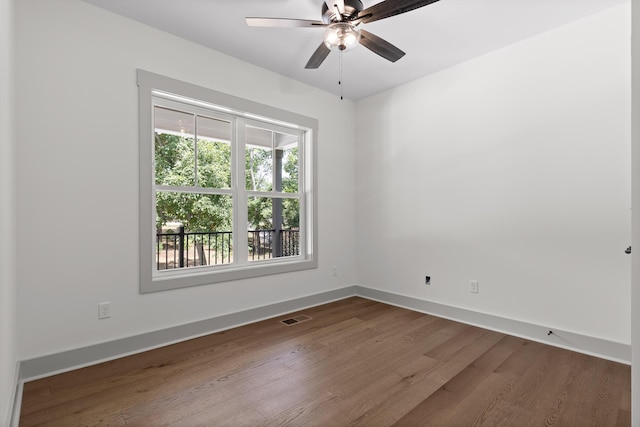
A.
pixel 318 56
pixel 388 8
pixel 380 46
pixel 283 22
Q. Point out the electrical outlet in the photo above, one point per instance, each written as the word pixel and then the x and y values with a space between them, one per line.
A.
pixel 334 270
pixel 473 286
pixel 104 310
pixel 427 280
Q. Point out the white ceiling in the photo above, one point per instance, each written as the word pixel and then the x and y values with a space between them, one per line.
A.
pixel 434 37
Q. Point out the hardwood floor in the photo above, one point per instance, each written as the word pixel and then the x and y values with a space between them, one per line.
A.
pixel 356 362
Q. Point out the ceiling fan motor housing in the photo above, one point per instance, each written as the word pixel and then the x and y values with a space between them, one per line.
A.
pixel 351 9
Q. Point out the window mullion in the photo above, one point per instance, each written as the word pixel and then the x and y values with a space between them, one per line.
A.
pixel 195 150
pixel 193 190
pixel 240 215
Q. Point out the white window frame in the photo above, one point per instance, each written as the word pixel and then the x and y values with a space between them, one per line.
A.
pixel 152 87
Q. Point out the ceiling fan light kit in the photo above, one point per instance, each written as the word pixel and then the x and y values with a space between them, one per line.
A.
pixel 342 36
pixel 341 19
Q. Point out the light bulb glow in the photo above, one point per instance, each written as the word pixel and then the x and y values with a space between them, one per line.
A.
pixel 341 35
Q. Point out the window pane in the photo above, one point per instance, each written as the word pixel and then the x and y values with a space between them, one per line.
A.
pixel 274 229
pixel 259 168
pixel 214 153
pixel 193 230
pixel 259 159
pixel 174 147
pixel 287 164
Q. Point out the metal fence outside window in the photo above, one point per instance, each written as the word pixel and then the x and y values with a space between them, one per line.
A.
pixel 189 249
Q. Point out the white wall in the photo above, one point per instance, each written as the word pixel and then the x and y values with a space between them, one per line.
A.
pixel 77 177
pixel 511 169
pixel 7 206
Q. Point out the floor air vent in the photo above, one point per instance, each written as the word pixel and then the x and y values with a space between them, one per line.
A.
pixel 294 320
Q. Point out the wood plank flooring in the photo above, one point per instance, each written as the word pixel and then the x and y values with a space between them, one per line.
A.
pixel 356 362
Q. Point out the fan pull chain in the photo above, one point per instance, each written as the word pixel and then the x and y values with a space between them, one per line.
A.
pixel 340 76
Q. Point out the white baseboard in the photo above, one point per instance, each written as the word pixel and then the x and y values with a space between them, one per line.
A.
pixel 76 358
pixel 52 364
pixel 16 399
pixel 610 350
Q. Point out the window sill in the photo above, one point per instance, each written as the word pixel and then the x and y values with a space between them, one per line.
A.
pixel 210 275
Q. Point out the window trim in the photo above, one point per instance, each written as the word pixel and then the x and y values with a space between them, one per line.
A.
pixel 148 83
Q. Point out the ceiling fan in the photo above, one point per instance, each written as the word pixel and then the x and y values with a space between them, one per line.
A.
pixel 341 19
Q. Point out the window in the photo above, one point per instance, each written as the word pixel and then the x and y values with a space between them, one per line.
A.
pixel 227 187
